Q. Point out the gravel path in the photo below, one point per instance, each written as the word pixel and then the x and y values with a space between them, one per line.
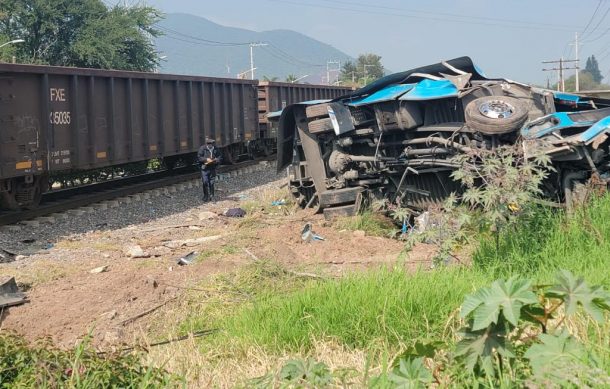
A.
pixel 155 211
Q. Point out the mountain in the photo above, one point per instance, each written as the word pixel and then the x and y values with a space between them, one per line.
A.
pixel 197 46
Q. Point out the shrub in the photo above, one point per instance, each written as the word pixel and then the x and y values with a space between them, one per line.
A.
pixel 39 364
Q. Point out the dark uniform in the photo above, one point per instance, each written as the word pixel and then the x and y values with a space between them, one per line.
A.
pixel 209 157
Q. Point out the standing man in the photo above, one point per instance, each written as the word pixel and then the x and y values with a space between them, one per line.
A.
pixel 208 157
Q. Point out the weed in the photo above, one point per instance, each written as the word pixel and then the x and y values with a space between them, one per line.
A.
pixel 271 201
pixel 379 307
pixel 41 365
pixel 549 240
pixel 373 224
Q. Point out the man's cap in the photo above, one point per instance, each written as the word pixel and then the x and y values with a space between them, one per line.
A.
pixel 210 140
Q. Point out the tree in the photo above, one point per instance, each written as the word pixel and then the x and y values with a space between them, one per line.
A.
pixel 586 82
pixel 367 68
pixel 82 33
pixel 592 67
pixel 291 78
pixel 269 78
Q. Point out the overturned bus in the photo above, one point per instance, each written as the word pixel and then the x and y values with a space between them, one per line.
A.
pixel 396 137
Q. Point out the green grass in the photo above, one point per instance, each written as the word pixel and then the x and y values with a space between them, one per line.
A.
pixel 393 307
pixel 553 240
pixel 373 224
pixel 384 307
pixel 41 365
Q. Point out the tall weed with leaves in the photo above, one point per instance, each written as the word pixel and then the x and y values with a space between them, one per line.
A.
pixel 514 323
pixel 502 184
pixel 40 365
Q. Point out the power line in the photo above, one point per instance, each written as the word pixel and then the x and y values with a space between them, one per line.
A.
pixel 410 16
pixel 600 21
pixel 592 17
pixel 199 39
pixel 463 16
pixel 282 52
pixel 282 58
pixel 603 34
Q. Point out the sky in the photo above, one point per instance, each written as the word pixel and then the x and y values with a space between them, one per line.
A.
pixel 508 38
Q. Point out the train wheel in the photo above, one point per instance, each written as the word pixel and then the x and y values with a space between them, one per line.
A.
pixel 34 201
pixel 9 201
pixel 22 195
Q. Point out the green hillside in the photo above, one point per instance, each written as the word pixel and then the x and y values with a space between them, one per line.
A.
pixel 195 45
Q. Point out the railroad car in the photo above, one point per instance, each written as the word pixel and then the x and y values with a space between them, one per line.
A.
pixel 57 119
pixel 274 96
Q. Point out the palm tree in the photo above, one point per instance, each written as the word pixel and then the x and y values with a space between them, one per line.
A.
pixel 291 78
pixel 271 79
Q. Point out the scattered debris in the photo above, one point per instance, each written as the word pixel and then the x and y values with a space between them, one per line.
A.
pixel 152 229
pixel 422 221
pixel 174 244
pixel 10 294
pixel 98 270
pixel 251 255
pixel 308 235
pixel 278 203
pixel 187 259
pixel 235 212
pixel 28 241
pixel 135 251
pixel 110 315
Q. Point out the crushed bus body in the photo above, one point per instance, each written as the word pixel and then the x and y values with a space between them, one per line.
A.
pixel 396 138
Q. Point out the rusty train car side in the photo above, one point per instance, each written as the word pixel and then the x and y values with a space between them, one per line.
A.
pixel 274 96
pixel 54 119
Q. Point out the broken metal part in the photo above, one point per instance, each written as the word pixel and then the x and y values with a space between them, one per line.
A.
pixel 10 294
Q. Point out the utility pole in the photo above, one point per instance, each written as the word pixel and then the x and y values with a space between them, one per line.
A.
pixel 328 70
pixel 577 60
pixel 252 46
pixel 561 68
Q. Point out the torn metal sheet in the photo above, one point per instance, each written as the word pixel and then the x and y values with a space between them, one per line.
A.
pixel 10 294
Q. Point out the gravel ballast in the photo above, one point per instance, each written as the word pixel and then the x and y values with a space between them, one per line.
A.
pixel 146 209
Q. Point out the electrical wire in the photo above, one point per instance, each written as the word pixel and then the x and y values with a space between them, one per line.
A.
pixel 603 34
pixel 199 39
pixel 290 57
pixel 436 13
pixel 599 4
pixel 599 23
pixel 419 17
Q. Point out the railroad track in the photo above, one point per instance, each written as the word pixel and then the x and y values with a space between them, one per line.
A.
pixel 56 202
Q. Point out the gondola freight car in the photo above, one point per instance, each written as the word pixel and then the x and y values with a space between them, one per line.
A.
pixel 55 119
pixel 58 119
pixel 274 96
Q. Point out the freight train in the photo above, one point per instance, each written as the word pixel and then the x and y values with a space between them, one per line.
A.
pixel 58 119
